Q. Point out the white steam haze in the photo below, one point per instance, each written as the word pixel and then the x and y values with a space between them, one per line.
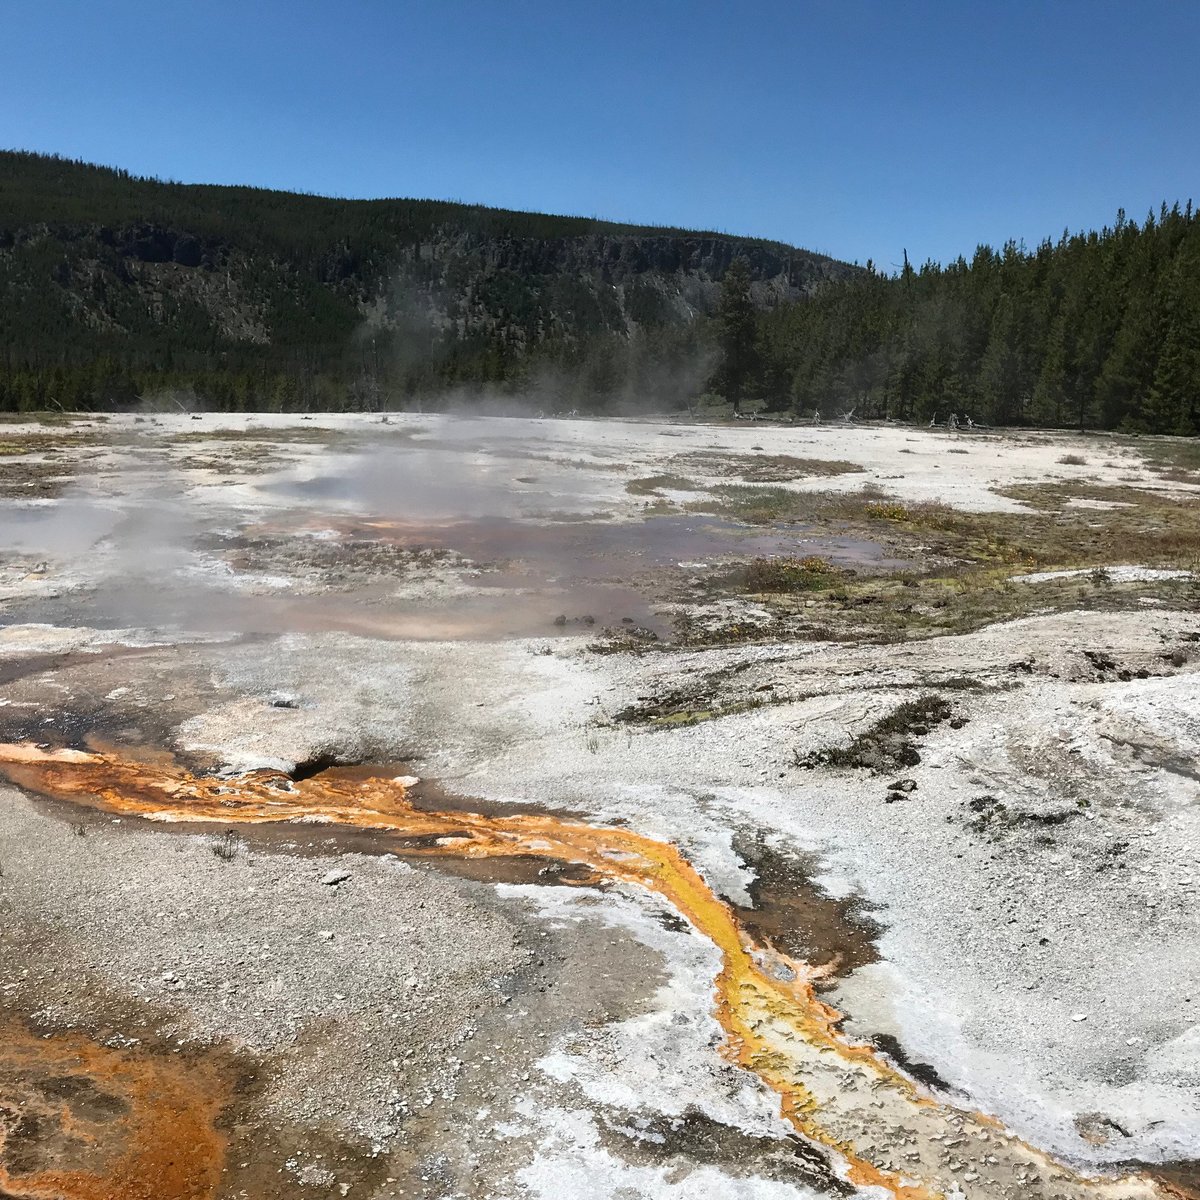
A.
pixel 412 527
pixel 629 371
pixel 151 545
pixel 55 529
pixel 469 467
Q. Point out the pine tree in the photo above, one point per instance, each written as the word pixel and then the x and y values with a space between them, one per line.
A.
pixel 1049 405
pixel 1175 393
pixel 737 335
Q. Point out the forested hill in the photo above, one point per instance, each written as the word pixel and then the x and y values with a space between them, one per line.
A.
pixel 1096 330
pixel 113 287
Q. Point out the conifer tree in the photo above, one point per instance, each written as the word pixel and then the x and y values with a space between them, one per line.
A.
pixel 738 335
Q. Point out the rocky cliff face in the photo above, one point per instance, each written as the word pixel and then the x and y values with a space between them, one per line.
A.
pixel 582 283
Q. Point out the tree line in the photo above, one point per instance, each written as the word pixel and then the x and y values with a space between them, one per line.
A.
pixel 1096 330
pixel 116 290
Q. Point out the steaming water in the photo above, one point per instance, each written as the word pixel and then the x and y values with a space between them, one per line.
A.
pixel 54 529
pixel 163 558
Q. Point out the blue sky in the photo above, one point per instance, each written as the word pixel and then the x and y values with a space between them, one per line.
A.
pixel 857 128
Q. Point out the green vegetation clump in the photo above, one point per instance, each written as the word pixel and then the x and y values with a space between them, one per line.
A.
pixel 888 510
pixel 651 485
pixel 787 573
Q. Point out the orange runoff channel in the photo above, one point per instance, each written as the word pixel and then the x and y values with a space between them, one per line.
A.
pixel 764 1001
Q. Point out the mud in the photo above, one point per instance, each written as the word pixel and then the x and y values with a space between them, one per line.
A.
pixel 789 913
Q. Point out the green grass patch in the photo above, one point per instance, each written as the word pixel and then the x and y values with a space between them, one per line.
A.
pixel 652 485
pixel 786 573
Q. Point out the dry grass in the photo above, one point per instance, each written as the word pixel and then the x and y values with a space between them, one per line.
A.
pixel 1157 529
pixel 1174 459
pixel 786 573
pixel 963 561
pixel 652 485
pixel 1178 475
pixel 300 433
pixel 764 505
pixel 46 418
pixel 767 468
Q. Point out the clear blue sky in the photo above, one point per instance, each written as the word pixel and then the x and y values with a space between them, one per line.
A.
pixel 857 127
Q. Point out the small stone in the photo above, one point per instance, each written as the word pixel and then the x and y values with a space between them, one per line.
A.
pixel 1079 1016
pixel 330 878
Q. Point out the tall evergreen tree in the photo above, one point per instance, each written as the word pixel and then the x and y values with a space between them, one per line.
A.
pixel 737 335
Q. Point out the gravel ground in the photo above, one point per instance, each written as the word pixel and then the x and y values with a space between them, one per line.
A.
pixel 333 981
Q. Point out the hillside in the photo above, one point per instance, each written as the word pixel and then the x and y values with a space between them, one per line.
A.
pixel 114 287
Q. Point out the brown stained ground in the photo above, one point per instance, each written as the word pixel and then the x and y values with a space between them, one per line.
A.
pixel 1178 1179
pixel 84 1121
pixel 788 912
pixel 594 575
pixel 14 669
pixel 115 1112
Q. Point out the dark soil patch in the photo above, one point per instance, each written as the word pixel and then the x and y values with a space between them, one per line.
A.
pixel 694 1137
pixel 921 1072
pixel 888 744
pixel 789 912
